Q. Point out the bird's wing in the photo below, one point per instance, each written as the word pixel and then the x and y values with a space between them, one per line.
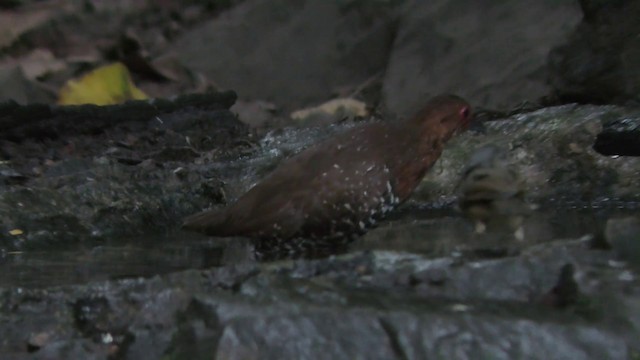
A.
pixel 334 184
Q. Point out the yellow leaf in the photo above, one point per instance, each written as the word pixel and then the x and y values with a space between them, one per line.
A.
pixel 106 85
pixel 15 232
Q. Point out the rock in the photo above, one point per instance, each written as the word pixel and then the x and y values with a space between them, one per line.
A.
pixel 293 309
pixel 624 236
pixel 8 176
pixel 256 114
pixel 74 349
pixel 619 137
pixel 492 194
pixel 551 150
pixel 37 341
pixel 17 23
pixel 601 61
pixel 493 54
pixel 77 184
pixel 15 86
pixel 291 52
pixel 40 63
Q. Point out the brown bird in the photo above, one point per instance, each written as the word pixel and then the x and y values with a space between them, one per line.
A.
pixel 344 185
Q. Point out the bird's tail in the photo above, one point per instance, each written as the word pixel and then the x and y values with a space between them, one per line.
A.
pixel 210 222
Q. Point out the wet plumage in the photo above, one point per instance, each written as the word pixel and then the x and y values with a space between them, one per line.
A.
pixel 344 185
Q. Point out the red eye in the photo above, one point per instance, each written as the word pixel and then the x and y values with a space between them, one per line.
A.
pixel 464 113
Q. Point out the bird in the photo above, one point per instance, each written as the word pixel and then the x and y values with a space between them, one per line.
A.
pixel 341 187
pixel 492 194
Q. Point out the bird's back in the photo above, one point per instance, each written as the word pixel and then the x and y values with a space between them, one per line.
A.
pixel 335 187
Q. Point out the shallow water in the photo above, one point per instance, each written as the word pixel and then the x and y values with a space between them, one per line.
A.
pixel 423 231
pixel 132 257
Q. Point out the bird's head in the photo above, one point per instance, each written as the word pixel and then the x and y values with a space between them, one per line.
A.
pixel 444 116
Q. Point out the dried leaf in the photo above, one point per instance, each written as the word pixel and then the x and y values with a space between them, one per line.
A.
pixel 106 85
pixel 16 232
pixel 332 111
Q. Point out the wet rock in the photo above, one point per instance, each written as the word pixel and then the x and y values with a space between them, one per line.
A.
pixel 551 150
pixel 202 130
pixel 91 315
pixel 624 236
pixel 37 341
pixel 197 334
pixel 8 176
pixel 492 194
pixel 74 349
pixel 451 336
pixel 566 291
pixel 619 137
pixel 69 167
pixel 263 336
pixel 484 52
pixel 292 309
pixel 600 62
pixel 81 183
pixel 184 154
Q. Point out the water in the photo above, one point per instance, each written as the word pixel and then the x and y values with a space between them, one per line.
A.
pixel 133 257
pixel 424 231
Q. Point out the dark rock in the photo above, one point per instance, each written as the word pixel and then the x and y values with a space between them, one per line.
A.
pixel 601 61
pixel 69 167
pixel 624 236
pixel 291 52
pixel 92 315
pixel 17 87
pixel 619 137
pixel 8 176
pixel 293 309
pixel 80 184
pixel 184 154
pixel 435 277
pixel 262 336
pixel 37 341
pixel 197 334
pixel 74 349
pixel 256 114
pixel 38 121
pixel 566 290
pixel 551 151
pixel 483 51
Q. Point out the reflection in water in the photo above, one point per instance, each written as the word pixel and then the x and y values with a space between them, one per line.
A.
pixel 428 232
pixel 449 233
pixel 127 258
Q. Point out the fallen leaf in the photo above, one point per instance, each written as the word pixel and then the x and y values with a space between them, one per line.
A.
pixel 16 232
pixel 336 108
pixel 106 85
